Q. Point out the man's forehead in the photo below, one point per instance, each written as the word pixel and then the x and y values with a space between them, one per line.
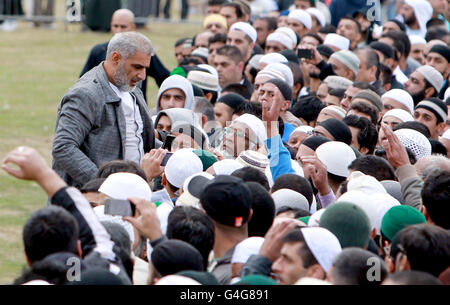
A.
pixel 417 75
pixel 236 34
pixel 435 55
pixel 222 59
pixel 173 91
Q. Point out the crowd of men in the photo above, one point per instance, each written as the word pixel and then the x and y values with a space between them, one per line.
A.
pixel 306 145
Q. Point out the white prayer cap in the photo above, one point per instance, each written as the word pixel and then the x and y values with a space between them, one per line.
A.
pixel 246 28
pixel 226 167
pixel 337 82
pixel 280 71
pixel 364 201
pixel 401 96
pixel 255 159
pixel 336 156
pixel 291 199
pixel 416 39
pixel 415 141
pixel 336 110
pixel 273 58
pixel 37 283
pixel 302 16
pixel 318 14
pixel 323 244
pixel 175 279
pixel 337 41
pixel 183 164
pixel 447 94
pixel 400 114
pixel 314 220
pixel 254 61
pixel 305 129
pixel 209 68
pixel 311 281
pixel 367 184
pixel 289 32
pixel 383 202
pixel 432 76
pixel 192 188
pixel 280 38
pixel 125 185
pixel 255 124
pixel 446 135
pixel 246 248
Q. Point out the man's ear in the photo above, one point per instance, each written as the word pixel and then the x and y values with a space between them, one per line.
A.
pixel 403 263
pixel 429 92
pixel 425 213
pixel 79 249
pixel 163 179
pixel 364 150
pixel 116 58
pixel 28 260
pixel 241 65
pixel 441 128
pixel 316 271
pixel 204 120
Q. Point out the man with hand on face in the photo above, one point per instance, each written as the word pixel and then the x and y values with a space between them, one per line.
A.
pixel 104 117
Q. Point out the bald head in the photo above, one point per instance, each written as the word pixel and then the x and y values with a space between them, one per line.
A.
pixel 122 21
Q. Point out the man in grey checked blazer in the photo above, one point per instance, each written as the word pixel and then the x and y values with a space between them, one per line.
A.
pixel 104 117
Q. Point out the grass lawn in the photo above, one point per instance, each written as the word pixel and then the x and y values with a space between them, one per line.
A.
pixel 38 66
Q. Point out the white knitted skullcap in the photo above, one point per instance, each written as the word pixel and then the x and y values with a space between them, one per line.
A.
pixel 400 114
pixel 415 141
pixel 303 16
pixel 401 96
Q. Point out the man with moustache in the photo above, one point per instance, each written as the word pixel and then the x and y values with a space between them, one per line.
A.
pixel 104 117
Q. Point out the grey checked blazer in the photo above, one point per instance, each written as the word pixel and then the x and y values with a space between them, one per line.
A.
pixel 90 128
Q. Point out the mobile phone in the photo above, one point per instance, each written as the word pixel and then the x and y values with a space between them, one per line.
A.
pixel 168 142
pixel 118 207
pixel 305 53
pixel 166 158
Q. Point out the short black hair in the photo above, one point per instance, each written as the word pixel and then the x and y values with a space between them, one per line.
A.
pixel 413 277
pixel 296 183
pixel 251 174
pixel 307 108
pixel 120 166
pixel 181 41
pixel 271 22
pixel 327 29
pixel 231 52
pixel 427 247
pixel 191 225
pixel 305 253
pixel 254 108
pixel 190 60
pixel 434 22
pixel 401 41
pixel 237 7
pixel 437 33
pixel 367 135
pixel 52 271
pixel 352 266
pixel 50 230
pixel 437 148
pixel 92 185
pixel 366 109
pixel 219 37
pixel 216 2
pixel 364 86
pixel 436 197
pixel 336 92
pixel 315 36
pixel 238 89
pixel 297 73
pixel 374 166
pixel 263 208
pixel 386 73
pixel 417 126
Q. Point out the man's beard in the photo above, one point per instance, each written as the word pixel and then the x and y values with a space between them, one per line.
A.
pixel 121 79
pixel 418 97
pixel 410 20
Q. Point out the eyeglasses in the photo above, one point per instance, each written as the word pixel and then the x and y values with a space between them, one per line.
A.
pixel 238 133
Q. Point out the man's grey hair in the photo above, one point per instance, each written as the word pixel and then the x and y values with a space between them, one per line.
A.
pixel 429 164
pixel 128 43
pixel 203 106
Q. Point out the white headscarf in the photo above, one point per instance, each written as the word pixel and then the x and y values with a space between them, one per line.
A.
pixel 177 82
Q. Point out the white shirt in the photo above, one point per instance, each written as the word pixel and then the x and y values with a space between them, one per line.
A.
pixel 400 76
pixel 134 144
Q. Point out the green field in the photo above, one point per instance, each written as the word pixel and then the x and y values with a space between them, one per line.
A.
pixel 37 68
